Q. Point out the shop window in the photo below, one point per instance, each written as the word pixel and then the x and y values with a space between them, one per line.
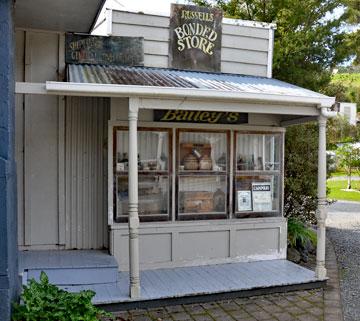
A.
pixel 257 191
pixel 154 175
pixel 202 178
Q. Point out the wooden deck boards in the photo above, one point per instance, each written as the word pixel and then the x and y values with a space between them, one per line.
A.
pixel 157 284
pixel 210 279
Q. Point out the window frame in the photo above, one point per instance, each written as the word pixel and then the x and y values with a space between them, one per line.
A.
pixel 253 173
pixel 142 173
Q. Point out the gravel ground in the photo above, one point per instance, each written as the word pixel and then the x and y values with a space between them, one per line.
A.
pixel 343 226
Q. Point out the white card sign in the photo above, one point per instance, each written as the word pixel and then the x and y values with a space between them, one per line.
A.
pixel 244 201
pixel 261 197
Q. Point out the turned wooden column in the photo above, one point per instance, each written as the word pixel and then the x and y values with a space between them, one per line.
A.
pixel 321 213
pixel 133 200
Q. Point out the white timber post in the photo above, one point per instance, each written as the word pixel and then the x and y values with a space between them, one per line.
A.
pixel 321 214
pixel 133 200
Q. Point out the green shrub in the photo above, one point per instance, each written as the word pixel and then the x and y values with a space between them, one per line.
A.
pixel 299 234
pixel 46 302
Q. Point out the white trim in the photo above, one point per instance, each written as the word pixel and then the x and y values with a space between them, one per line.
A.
pixel 241 127
pixel 229 106
pixel 111 176
pixel 270 53
pixel 110 90
pixel 109 21
pixel 229 21
pixel 244 223
pixel 31 88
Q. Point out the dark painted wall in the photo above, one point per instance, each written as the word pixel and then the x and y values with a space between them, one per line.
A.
pixel 8 224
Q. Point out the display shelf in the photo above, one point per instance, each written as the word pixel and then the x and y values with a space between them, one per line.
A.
pixel 200 172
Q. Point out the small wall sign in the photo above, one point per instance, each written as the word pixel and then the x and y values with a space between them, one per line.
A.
pixel 87 49
pixel 195 37
pixel 261 197
pixel 207 117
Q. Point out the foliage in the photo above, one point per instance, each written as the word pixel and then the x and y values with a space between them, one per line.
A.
pixel 346 87
pixel 309 38
pixel 46 302
pixel 349 159
pixel 309 41
pixel 301 150
pixel 339 130
pixel 299 234
pixel 337 192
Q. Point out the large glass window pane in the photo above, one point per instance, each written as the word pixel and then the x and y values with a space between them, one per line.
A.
pixel 153 150
pixel 259 152
pixel 153 197
pixel 202 151
pixel 202 197
pixel 153 181
pixel 257 195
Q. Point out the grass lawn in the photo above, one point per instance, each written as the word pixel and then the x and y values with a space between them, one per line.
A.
pixel 337 194
pixel 340 173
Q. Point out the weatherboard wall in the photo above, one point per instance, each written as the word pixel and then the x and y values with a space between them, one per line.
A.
pixel 245 49
pixel 60 153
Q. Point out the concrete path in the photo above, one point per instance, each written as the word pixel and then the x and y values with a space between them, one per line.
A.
pixel 344 178
pixel 343 226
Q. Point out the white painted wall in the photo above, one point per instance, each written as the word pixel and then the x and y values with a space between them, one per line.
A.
pixel 60 150
pixel 349 111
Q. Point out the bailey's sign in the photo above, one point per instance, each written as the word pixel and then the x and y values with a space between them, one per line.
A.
pixel 88 49
pixel 193 116
pixel 195 38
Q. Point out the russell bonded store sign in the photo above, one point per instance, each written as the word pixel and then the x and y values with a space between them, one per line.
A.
pixel 195 37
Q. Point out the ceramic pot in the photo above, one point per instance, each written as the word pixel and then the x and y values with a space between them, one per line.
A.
pixel 205 163
pixel 191 162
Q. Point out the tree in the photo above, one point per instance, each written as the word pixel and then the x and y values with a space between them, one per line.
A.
pixel 349 159
pixel 309 41
pixel 339 130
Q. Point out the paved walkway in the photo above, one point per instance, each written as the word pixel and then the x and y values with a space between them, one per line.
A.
pixel 343 225
pixel 293 306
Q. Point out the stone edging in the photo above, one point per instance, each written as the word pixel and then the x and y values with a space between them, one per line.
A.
pixel 332 295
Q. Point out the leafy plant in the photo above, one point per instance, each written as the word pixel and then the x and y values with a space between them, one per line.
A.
pixel 46 302
pixel 299 234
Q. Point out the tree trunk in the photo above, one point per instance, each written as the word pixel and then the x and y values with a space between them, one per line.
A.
pixel 349 182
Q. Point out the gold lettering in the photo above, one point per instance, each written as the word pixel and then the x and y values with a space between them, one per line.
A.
pixel 232 117
pixel 169 116
pixel 215 116
pixel 182 115
pixel 204 116
pixel 196 117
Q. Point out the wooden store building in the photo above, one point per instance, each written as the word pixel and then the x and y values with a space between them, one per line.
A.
pixel 151 158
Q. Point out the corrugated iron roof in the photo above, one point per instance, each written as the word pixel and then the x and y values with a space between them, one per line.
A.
pixel 145 76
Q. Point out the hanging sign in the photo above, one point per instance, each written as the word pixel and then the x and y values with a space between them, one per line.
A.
pixel 87 49
pixel 195 37
pixel 207 117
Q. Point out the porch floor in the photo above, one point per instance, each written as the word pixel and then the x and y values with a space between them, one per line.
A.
pixel 96 270
pixel 213 279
